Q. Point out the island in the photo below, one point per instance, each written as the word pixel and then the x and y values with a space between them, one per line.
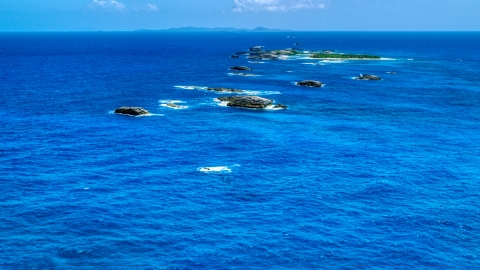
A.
pixel 258 53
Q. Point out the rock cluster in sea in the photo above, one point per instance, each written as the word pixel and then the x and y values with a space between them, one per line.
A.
pixel 253 102
pixel 257 52
pixel 225 90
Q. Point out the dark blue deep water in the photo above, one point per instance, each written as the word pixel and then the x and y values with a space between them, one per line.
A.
pixel 353 175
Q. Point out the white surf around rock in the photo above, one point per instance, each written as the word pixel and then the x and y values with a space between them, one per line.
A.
pixel 190 87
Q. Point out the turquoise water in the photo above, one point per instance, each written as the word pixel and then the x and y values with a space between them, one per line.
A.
pixel 353 175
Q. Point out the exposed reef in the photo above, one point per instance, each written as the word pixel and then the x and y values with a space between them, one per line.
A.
pixel 174 106
pixel 132 111
pixel 225 90
pixel 252 102
pixel 280 106
pixel 368 77
pixel 240 68
pixel 310 83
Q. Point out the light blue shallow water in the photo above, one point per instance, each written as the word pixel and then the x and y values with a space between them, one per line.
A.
pixel 353 175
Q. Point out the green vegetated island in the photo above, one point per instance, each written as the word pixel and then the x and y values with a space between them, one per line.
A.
pixel 257 52
pixel 343 56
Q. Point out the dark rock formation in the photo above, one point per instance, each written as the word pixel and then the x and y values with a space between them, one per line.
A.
pixel 240 68
pixel 132 111
pixel 310 83
pixel 234 56
pixel 280 106
pixel 256 48
pixel 264 56
pixel 224 98
pixel 225 90
pixel 368 77
pixel 173 105
pixel 253 102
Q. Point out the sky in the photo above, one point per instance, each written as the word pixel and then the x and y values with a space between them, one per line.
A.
pixel 304 15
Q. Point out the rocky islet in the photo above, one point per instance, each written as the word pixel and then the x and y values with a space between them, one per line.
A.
pixel 252 102
pixel 310 83
pixel 134 111
pixel 368 77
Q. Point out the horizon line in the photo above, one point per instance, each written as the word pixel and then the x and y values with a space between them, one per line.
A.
pixel 203 31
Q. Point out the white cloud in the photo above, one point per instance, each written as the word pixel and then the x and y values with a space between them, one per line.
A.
pixel 145 8
pixel 152 7
pixel 108 4
pixel 276 5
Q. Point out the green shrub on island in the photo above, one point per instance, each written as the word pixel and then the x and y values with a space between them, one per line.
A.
pixel 344 56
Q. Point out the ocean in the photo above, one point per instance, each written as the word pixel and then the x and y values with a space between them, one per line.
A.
pixel 353 175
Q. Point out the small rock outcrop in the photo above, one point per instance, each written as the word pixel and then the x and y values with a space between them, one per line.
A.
pixel 173 105
pixel 234 56
pixel 280 106
pixel 132 111
pixel 252 102
pixel 256 48
pixel 240 68
pixel 310 83
pixel 225 90
pixel 391 72
pixel 368 77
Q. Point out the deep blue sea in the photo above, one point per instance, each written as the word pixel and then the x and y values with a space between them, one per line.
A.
pixel 353 175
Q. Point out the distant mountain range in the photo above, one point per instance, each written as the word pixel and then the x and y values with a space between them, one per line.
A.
pixel 214 29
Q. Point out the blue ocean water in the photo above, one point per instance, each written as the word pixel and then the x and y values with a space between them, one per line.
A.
pixel 353 175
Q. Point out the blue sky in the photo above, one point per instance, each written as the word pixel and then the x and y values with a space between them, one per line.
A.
pixel 312 15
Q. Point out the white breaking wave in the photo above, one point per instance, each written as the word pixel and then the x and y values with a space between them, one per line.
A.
pixel 170 101
pixel 332 61
pixel 271 107
pixel 151 114
pixel 191 87
pixel 243 74
pixel 221 103
pixel 214 169
pixel 254 93
pixel 217 169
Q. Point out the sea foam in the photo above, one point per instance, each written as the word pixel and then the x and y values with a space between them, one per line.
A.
pixel 214 169
pixel 190 87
